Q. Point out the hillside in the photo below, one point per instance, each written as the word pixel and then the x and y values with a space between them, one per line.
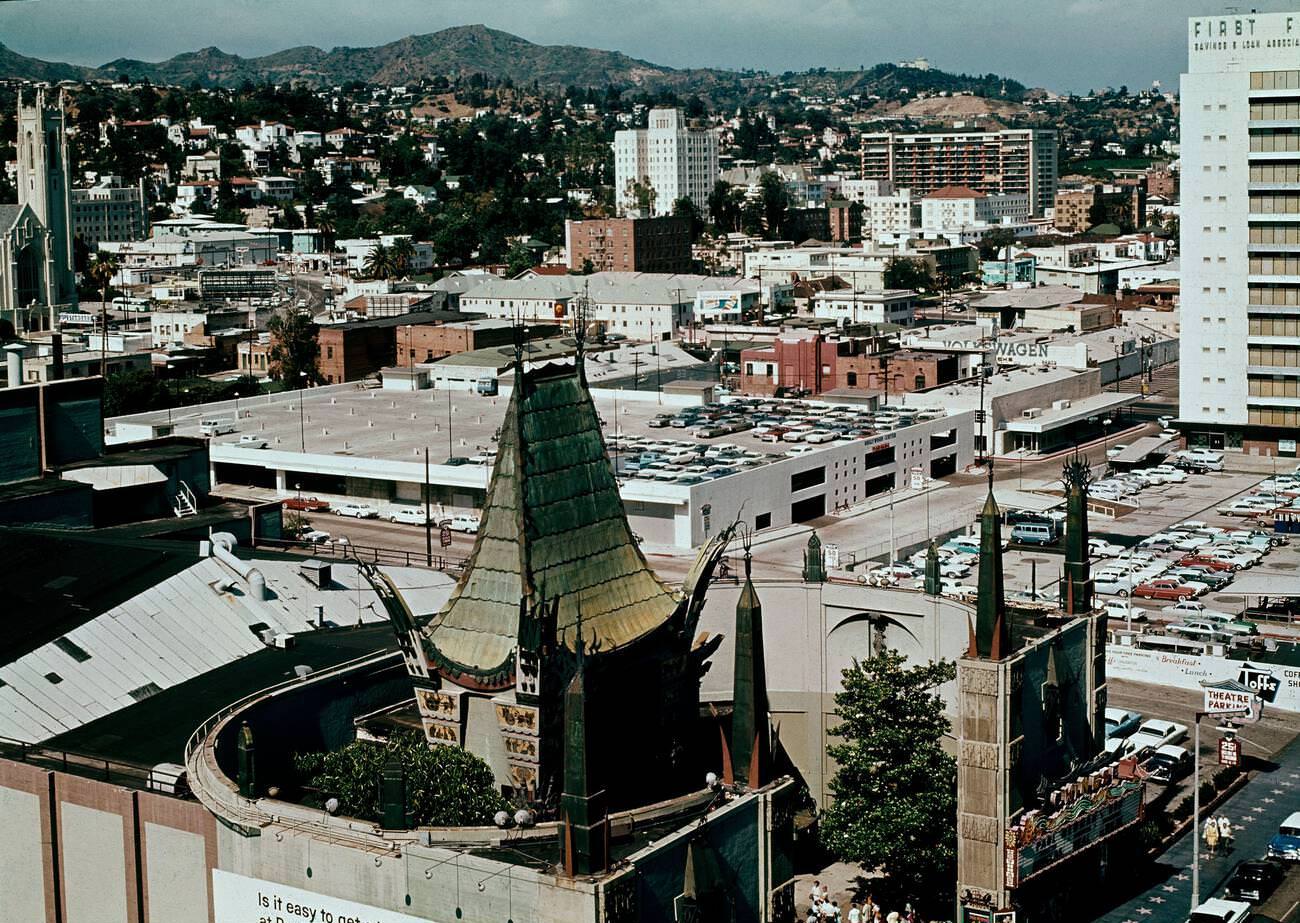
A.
pixel 452 52
pixel 16 66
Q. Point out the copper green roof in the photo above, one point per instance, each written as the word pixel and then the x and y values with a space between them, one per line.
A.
pixel 553 528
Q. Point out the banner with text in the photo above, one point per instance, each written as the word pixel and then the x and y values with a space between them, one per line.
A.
pixel 1277 685
pixel 237 899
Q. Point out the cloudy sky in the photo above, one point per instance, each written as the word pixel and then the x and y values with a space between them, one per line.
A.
pixel 1060 44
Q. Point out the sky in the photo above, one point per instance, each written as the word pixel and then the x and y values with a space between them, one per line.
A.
pixel 1064 45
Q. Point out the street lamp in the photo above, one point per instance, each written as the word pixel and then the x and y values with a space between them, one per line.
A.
pixel 1105 432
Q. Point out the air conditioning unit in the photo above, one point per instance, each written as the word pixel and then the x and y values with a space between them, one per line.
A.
pixel 1033 413
pixel 1060 405
pixel 283 640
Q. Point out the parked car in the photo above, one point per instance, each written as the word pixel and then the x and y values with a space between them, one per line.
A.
pixel 1168 588
pixel 1157 732
pixel 251 441
pixel 314 537
pixel 1197 632
pixel 1113 585
pixel 356 510
pixel 1214 579
pixel 307 504
pixel 1254 880
pixel 1124 610
pixel 1285 844
pixel 1205 560
pixel 1191 609
pixel 1102 549
pixel 463 522
pixel 1115 450
pixel 1216 910
pixel 1121 723
pixel 890 574
pixel 1034 533
pixel 410 515
pixel 1167 764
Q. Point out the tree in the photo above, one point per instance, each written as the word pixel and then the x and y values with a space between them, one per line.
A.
pixel 445 786
pixel 642 196
pixel 295 352
pixel 101 272
pixel 289 218
pixel 992 242
pixel 685 207
pixel 134 391
pixel 518 259
pixel 402 255
pixel 908 272
pixel 895 806
pixel 379 263
pixel 776 205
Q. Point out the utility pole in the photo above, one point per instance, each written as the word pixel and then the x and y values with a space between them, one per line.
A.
pixel 428 519
pixel 451 452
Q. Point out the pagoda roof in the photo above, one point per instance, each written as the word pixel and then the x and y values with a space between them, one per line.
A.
pixel 553 529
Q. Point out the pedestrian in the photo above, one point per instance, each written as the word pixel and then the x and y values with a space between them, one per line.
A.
pixel 855 914
pixel 815 893
pixel 1225 832
pixel 1212 835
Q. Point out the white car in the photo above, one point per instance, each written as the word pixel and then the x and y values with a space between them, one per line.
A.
pixel 1191 609
pixel 958 590
pixel 1124 611
pixel 464 523
pixel 1217 910
pixel 1114 585
pixel 410 515
pixel 1169 474
pixel 1115 450
pixel 315 537
pixel 890 574
pixel 1101 549
pixel 251 441
pixel 1156 732
pixel 800 450
pixel 355 510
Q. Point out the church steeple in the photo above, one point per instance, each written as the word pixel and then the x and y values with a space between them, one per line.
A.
pixel 44 185
pixel 1076 587
pixel 992 635
pixel 750 730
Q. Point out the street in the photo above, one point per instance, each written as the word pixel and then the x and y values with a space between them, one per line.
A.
pixel 1255 812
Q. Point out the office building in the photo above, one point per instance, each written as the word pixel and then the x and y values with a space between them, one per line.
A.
pixel 106 211
pixel 629 244
pixel 668 160
pixel 1240 371
pixel 1020 160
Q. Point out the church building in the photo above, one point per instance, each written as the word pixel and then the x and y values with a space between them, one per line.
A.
pixel 36 259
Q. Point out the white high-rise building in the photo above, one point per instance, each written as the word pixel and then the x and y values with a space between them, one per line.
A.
pixel 667 158
pixel 1239 378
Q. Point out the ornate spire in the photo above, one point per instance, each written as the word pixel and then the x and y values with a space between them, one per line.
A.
pixel 814 565
pixel 582 805
pixel 1076 586
pixel 750 729
pixel 933 583
pixel 992 636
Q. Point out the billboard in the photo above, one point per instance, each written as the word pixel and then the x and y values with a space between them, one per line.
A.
pixel 239 899
pixel 1274 683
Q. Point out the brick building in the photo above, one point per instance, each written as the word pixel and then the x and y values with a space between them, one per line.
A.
pixel 424 342
pixel 630 244
pixel 815 362
pixel 1122 204
pixel 845 220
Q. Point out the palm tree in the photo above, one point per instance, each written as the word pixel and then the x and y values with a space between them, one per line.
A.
pixel 101 273
pixel 403 255
pixel 379 263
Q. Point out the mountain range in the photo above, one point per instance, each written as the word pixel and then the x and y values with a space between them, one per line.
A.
pixel 459 52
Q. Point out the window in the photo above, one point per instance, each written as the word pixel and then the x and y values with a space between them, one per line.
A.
pixel 72 649
pixel 141 693
pixel 54 678
pixel 763 521
pixel 805 479
pixel 1275 80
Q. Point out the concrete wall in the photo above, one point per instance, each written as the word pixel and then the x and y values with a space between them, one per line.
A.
pixel 811 634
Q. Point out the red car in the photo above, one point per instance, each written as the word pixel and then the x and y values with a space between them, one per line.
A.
pixel 1164 588
pixel 1204 560
pixel 307 504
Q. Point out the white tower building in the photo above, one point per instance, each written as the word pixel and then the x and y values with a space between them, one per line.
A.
pixel 673 161
pixel 43 185
pixel 1239 378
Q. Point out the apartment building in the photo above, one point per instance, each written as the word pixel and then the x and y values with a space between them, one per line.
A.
pixel 1018 160
pixel 671 159
pixel 1239 379
pixel 107 211
pixel 629 244
pixel 963 207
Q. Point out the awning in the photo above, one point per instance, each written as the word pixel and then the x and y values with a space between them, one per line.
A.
pixel 1261 581
pixel 1141 449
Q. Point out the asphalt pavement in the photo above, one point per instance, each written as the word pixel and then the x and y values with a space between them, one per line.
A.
pixel 1255 811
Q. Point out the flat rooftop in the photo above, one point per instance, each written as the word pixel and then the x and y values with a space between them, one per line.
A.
pixel 340 422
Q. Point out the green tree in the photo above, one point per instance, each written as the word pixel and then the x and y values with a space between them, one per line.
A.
pixel 994 241
pixel 290 218
pixel 776 205
pixel 685 207
pixel 908 272
pixel 135 391
pixel 518 259
pixel 445 786
pixel 642 195
pixel 295 351
pixel 895 806
pixel 380 263
pixel 402 254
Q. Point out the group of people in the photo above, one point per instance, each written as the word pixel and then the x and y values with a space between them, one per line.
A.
pixel 821 909
pixel 1218 834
